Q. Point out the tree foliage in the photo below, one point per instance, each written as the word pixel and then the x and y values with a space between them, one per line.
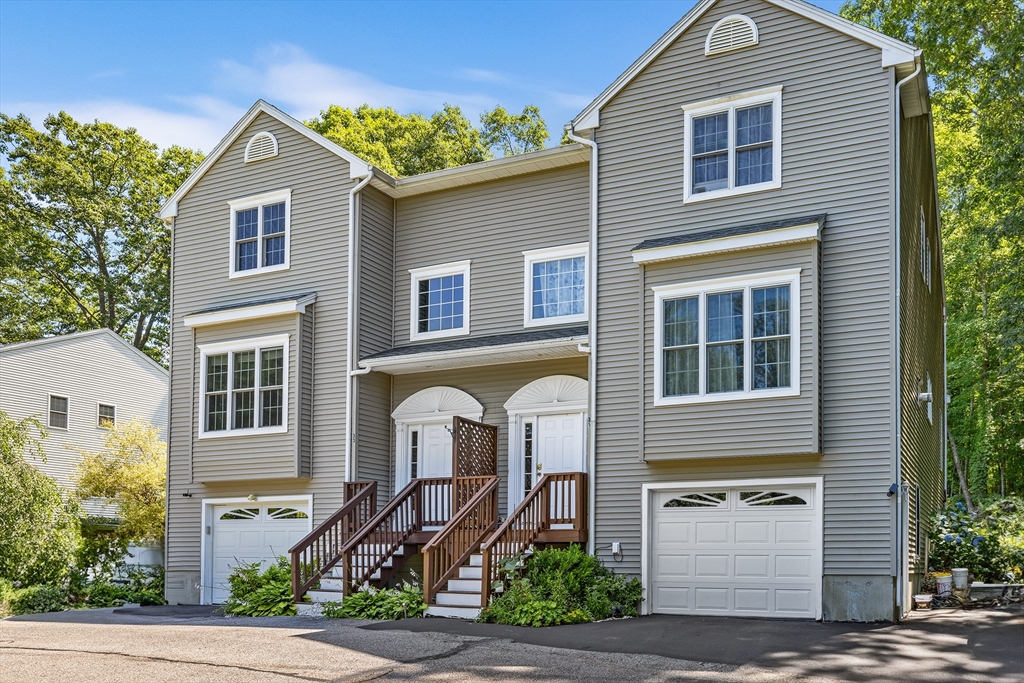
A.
pixel 82 247
pixel 131 472
pixel 39 526
pixel 973 50
pixel 409 144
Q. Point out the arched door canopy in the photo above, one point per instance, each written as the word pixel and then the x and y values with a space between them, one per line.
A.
pixel 437 403
pixel 561 393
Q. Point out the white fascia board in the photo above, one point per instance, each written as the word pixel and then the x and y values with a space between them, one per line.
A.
pixel 894 51
pixel 426 358
pixel 232 315
pixel 767 238
pixel 358 168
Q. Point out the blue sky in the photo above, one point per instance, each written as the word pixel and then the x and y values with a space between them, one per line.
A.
pixel 184 72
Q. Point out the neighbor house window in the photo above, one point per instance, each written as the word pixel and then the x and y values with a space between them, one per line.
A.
pixel 105 414
pixel 733 145
pixel 260 233
pixel 556 285
pixel 728 338
pixel 244 386
pixel 440 301
pixel 58 412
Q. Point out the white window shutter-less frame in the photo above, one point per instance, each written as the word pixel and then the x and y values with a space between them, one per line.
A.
pixel 731 33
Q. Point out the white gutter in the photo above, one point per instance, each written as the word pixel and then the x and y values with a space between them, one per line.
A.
pixel 901 533
pixel 592 331
pixel 350 323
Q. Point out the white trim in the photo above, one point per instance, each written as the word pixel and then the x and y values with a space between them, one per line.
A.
pixel 111 405
pixel 716 245
pixel 732 17
pixel 645 523
pixel 426 273
pixel 357 167
pixel 67 412
pixel 248 147
pixel 499 351
pixel 410 416
pixel 701 289
pixel 730 104
pixel 206 520
pixel 250 344
pixel 254 312
pixel 553 254
pixel 893 52
pixel 260 201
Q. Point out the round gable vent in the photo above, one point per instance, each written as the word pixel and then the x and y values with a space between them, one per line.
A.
pixel 261 146
pixel 731 33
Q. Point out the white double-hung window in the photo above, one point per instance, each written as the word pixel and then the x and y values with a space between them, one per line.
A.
pixel 260 227
pixel 244 387
pixel 555 285
pixel 439 301
pixel 733 145
pixel 729 338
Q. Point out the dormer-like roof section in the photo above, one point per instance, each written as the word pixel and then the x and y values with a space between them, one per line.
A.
pixel 895 53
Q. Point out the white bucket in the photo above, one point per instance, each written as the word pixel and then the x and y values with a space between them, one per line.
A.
pixel 943 584
pixel 959 578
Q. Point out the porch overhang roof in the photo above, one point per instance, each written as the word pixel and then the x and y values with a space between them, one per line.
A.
pixel 471 352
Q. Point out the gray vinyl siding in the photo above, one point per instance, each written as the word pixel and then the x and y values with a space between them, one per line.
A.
pixel 835 160
pixel 921 337
pixel 491 224
pixel 320 183
pixel 492 386
pixel 88 369
pixel 727 428
pixel 231 458
pixel 304 362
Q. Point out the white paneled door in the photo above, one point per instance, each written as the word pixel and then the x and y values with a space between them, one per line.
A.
pixel 253 532
pixel 748 550
pixel 559 444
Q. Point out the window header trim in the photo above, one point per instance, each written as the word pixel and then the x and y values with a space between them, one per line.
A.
pixel 717 245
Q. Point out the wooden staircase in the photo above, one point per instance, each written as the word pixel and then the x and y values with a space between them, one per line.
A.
pixel 460 598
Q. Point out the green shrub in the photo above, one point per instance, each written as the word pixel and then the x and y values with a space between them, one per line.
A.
pixel 256 593
pixel 403 602
pixel 990 545
pixel 6 596
pixel 36 599
pixel 561 586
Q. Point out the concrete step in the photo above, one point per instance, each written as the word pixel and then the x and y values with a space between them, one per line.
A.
pixel 322 595
pixel 471 572
pixel 452 598
pixel 309 609
pixel 476 560
pixel 452 612
pixel 465 585
pixel 332 583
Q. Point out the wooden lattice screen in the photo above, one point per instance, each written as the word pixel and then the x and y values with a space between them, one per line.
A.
pixel 474 458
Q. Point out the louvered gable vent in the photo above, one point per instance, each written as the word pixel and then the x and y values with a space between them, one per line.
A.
pixel 261 146
pixel 731 33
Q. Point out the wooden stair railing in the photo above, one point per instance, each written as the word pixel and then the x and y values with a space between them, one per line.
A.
pixel 460 537
pixel 556 499
pixel 392 528
pixel 320 550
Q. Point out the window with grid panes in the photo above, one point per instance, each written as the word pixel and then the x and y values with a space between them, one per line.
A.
pixel 244 388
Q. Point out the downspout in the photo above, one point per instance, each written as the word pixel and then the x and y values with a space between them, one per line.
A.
pixel 592 333
pixel 901 533
pixel 350 324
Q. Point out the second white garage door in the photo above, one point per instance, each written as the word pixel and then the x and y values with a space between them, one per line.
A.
pixel 735 549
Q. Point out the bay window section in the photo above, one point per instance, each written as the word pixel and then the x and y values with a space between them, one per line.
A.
pixel 244 387
pixel 726 339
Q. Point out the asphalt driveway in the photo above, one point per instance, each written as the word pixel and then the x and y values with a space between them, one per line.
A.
pixel 189 644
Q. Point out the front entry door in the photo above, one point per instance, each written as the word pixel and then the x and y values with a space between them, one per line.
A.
pixel 559 444
pixel 431 458
pixel 437 451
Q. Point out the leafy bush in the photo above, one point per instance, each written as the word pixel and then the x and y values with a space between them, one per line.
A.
pixel 36 599
pixel 368 602
pixel 990 545
pixel 6 596
pixel 145 586
pixel 561 586
pixel 256 593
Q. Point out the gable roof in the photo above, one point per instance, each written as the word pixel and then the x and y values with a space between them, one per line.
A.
pixel 75 336
pixel 894 52
pixel 358 168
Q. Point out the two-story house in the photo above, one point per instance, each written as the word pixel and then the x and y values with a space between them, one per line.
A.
pixel 707 338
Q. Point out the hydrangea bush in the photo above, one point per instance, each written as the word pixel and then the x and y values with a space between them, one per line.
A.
pixel 983 543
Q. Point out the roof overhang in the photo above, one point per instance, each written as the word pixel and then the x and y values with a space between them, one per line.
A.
pixel 894 53
pixel 251 311
pixel 715 243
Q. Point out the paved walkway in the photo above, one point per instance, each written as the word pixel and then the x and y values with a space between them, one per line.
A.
pixel 178 644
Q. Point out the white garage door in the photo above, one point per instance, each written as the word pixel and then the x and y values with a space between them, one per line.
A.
pixel 738 550
pixel 253 532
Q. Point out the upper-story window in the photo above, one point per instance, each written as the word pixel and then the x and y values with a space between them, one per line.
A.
pixel 105 415
pixel 260 238
pixel 440 301
pixel 58 414
pixel 244 387
pixel 556 285
pixel 730 338
pixel 733 145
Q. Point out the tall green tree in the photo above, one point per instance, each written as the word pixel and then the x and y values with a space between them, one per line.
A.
pixel 514 133
pixel 82 247
pixel 973 50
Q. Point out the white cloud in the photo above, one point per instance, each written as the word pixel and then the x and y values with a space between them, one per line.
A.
pixel 483 75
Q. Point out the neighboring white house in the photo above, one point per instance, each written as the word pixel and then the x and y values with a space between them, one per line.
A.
pixel 79 385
